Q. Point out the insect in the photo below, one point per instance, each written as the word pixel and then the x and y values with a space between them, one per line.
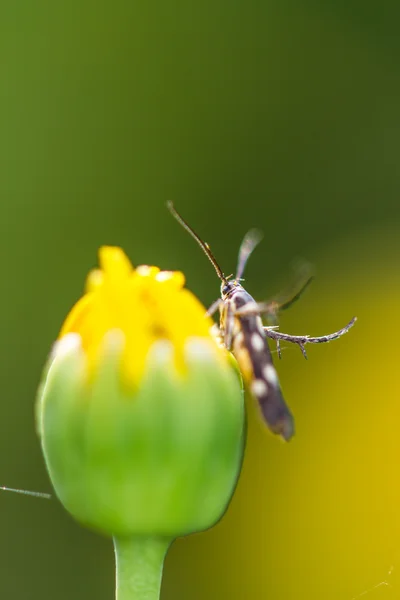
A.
pixel 243 333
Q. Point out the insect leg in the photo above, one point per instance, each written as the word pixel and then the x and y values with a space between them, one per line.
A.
pixel 213 308
pixel 218 335
pixel 272 308
pixel 252 309
pixel 268 308
pixel 288 303
pixel 250 241
pixel 302 340
pixel 229 324
pixel 288 297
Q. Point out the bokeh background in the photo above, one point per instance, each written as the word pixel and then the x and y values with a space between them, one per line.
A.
pixel 283 115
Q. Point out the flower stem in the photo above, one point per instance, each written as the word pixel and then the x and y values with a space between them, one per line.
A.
pixel 139 565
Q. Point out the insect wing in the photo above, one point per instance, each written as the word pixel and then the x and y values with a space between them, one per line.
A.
pixel 264 382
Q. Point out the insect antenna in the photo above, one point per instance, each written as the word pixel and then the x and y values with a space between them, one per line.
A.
pixel 250 241
pixel 203 245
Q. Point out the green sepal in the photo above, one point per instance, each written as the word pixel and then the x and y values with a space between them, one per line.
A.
pixel 162 460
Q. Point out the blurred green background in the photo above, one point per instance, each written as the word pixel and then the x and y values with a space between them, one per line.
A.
pixel 281 115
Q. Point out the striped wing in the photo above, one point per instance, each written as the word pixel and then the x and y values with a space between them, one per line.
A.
pixel 255 360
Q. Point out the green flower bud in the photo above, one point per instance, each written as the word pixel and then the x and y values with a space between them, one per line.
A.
pixel 140 413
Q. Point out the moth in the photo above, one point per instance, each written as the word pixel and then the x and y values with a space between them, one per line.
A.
pixel 243 332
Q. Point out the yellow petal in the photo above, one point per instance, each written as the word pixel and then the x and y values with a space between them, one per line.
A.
pixel 146 304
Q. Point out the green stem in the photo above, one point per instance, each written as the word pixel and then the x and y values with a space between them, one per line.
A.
pixel 139 565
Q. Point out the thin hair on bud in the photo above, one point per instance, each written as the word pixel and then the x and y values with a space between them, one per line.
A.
pixel 26 492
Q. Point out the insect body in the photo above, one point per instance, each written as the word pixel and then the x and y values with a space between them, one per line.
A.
pixel 245 335
pixel 243 332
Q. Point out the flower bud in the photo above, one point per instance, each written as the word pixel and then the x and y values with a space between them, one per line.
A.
pixel 140 413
